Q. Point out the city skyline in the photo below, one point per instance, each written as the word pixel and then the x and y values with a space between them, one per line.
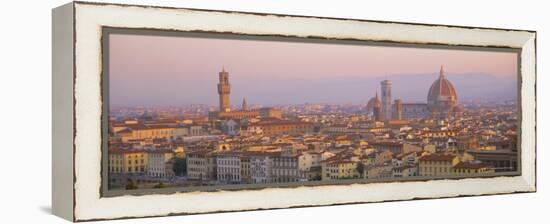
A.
pixel 173 59
pixel 410 121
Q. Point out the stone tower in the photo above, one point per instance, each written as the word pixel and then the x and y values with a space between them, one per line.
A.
pixel 223 90
pixel 386 99
pixel 377 112
pixel 397 110
pixel 245 105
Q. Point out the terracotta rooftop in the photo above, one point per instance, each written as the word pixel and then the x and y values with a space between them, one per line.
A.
pixel 385 143
pixel 159 151
pixel 472 165
pixel 437 157
pixel 279 122
pixel 122 151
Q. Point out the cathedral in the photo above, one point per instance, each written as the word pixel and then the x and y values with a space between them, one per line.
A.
pixel 442 100
pixel 441 103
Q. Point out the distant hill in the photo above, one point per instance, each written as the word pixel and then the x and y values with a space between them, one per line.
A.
pixel 483 87
pixel 357 89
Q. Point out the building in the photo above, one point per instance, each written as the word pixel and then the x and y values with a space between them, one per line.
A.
pixel 141 132
pixel 285 168
pixel 338 168
pixel 157 162
pixel 437 164
pixel 211 168
pixel 386 99
pixel 130 161
pixel 378 171
pixel 466 142
pixel 442 100
pixel 392 146
pixel 201 165
pixel 374 106
pixel 224 89
pixel 408 158
pixel 231 127
pixel 228 167
pixel 313 174
pixel 282 127
pixel 261 165
pixel 408 147
pixel 397 112
pixel 244 106
pixel 117 162
pixel 309 160
pixel 246 177
pixel 383 157
pixel 502 160
pixel 309 164
pixel 335 129
pixel 405 171
pixel 266 112
pixel 372 102
pixel 473 168
pixel 415 111
pixel 438 133
pixel 196 130
pixel 269 112
pixel 377 112
pixel 180 151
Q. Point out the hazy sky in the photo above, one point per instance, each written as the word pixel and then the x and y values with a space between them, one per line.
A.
pixel 155 70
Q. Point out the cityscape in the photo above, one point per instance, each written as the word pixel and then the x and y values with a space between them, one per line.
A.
pixel 239 143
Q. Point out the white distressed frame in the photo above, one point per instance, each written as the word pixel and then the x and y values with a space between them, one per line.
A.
pixel 89 19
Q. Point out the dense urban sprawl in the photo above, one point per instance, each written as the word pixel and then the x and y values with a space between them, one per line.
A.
pixel 201 145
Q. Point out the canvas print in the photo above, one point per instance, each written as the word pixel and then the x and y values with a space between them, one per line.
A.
pixel 211 111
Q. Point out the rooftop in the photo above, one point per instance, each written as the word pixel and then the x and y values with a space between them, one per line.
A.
pixel 472 165
pixel 437 157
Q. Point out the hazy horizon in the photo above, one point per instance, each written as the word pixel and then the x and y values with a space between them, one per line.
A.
pixel 162 71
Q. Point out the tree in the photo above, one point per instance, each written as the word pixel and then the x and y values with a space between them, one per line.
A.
pixel 160 185
pixel 316 178
pixel 130 185
pixel 180 166
pixel 360 168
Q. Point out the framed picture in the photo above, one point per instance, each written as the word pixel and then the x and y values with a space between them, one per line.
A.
pixel 169 111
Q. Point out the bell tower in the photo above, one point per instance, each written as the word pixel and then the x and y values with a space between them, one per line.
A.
pixel 223 90
pixel 245 105
pixel 386 100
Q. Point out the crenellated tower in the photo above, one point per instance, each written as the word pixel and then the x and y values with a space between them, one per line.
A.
pixel 224 89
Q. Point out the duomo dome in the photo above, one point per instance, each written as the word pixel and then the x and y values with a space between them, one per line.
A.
pixel 375 101
pixel 442 95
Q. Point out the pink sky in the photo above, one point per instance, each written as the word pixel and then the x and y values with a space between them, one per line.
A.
pixel 157 70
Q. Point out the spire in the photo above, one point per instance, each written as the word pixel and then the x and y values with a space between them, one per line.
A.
pixel 441 73
pixel 223 68
pixel 376 96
